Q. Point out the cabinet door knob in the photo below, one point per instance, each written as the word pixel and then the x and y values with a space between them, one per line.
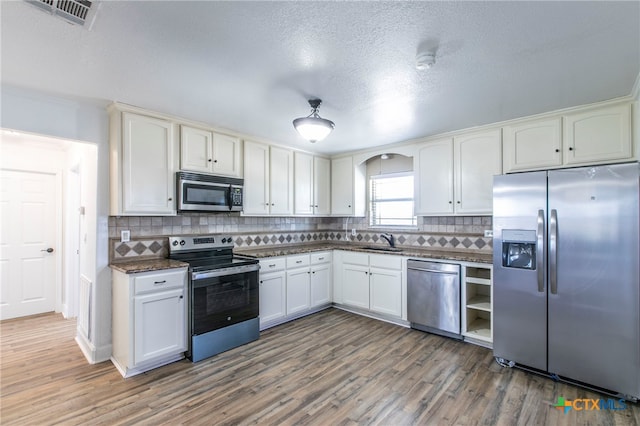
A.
pixel 209 160
pixel 272 204
pixel 570 148
pixel 557 150
pixel 215 161
pixel 450 202
pixel 181 296
pixel 170 199
pixel 349 206
pixel 48 250
pixel 458 201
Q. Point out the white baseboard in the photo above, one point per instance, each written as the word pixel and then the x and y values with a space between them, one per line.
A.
pixel 91 353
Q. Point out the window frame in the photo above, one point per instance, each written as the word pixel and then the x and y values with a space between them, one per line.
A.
pixel 370 201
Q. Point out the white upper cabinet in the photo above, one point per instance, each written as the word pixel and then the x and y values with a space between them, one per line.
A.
pixel 590 135
pixel 268 180
pixel 256 178
pixel 143 164
pixel 322 185
pixel 205 151
pixel 434 182
pixel 477 158
pixel 281 181
pixel 455 176
pixel 303 186
pixel 598 135
pixel 348 186
pixel 311 184
pixel 533 145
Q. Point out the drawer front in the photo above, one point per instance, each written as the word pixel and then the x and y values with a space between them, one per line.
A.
pixel 387 261
pixel 272 264
pixel 320 257
pixel 160 281
pixel 298 261
pixel 355 258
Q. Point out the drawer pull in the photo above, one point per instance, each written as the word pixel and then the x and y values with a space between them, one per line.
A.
pixel 321 258
pixel 298 261
pixel 159 282
pixel 273 265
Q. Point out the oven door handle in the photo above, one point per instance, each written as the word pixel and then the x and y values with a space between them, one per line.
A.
pixel 224 272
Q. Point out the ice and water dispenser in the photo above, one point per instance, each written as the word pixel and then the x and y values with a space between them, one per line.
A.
pixel 519 248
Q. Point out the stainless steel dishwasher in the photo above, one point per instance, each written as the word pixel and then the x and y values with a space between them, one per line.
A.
pixel 433 291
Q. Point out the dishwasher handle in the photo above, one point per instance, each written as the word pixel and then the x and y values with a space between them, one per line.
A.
pixel 426 266
pixel 437 271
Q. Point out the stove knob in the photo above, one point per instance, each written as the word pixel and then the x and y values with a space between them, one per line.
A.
pixel 182 242
pixel 174 243
pixel 224 240
pixel 229 239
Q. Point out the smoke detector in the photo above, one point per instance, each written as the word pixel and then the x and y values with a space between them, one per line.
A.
pixel 425 60
pixel 77 12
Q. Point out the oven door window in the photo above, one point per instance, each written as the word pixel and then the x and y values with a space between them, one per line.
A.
pixel 222 301
pixel 202 194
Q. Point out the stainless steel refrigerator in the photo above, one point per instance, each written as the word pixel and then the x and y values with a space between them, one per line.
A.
pixel 566 275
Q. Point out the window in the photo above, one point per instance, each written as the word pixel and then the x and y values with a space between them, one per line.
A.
pixel 391 200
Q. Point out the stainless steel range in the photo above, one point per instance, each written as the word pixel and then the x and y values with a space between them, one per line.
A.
pixel 223 294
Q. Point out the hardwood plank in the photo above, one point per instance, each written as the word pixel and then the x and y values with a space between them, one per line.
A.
pixel 333 367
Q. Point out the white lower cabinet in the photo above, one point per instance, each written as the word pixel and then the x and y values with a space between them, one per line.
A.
pixel 298 290
pixel 149 319
pixel 372 282
pixel 385 291
pixel 273 286
pixel 293 286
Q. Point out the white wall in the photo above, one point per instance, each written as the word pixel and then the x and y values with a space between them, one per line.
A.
pixel 87 121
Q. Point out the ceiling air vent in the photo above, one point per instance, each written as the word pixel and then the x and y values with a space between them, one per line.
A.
pixel 74 11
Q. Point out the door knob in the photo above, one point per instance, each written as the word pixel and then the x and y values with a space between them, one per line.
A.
pixel 49 250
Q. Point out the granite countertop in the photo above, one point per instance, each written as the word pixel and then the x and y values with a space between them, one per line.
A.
pixel 404 251
pixel 146 265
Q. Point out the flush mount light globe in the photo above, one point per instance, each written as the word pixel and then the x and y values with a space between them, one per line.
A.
pixel 313 127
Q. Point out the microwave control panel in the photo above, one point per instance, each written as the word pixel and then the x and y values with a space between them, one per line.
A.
pixel 236 196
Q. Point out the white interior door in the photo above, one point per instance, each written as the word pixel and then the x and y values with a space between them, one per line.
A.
pixel 28 219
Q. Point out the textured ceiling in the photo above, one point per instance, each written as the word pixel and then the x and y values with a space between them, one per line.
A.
pixel 251 66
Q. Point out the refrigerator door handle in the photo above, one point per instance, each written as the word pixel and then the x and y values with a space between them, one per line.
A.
pixel 540 251
pixel 553 252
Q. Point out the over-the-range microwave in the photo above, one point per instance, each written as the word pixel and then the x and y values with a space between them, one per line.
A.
pixel 198 192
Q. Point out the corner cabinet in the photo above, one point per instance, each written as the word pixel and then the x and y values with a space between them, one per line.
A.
pixel 477 303
pixel 205 151
pixel 455 176
pixel 143 162
pixel 294 286
pixel 149 319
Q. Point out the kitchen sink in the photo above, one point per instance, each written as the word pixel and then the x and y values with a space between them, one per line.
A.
pixel 378 248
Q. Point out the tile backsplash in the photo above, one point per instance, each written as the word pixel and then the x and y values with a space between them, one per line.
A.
pixel 148 234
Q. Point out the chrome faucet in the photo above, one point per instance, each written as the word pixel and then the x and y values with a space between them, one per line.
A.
pixel 390 239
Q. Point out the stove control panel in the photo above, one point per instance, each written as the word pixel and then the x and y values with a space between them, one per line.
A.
pixel 199 242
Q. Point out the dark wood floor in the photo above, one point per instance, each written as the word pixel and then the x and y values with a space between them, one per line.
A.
pixel 332 368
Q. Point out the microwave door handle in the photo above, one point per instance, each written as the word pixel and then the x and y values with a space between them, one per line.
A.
pixel 230 197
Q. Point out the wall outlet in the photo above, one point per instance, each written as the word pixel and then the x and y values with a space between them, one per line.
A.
pixel 353 232
pixel 125 236
pixel 488 233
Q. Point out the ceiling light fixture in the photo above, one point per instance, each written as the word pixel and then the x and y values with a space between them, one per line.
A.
pixel 425 60
pixel 313 127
